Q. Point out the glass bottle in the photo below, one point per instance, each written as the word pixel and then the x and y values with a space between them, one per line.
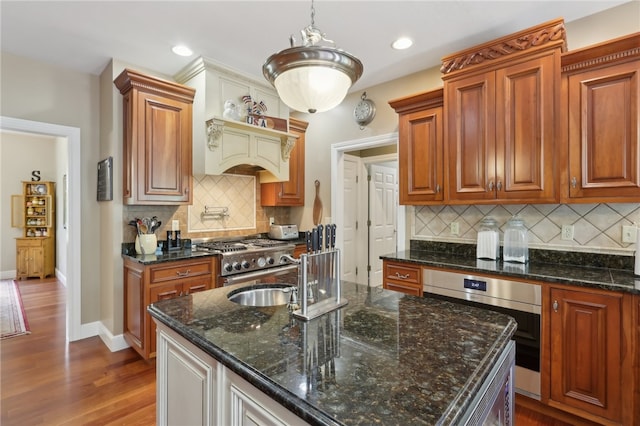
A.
pixel 516 241
pixel 488 246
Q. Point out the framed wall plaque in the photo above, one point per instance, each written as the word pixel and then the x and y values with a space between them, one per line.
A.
pixel 105 179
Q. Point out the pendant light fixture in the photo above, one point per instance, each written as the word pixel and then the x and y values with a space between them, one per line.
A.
pixel 312 78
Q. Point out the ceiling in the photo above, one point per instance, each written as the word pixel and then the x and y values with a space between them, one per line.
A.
pixel 85 35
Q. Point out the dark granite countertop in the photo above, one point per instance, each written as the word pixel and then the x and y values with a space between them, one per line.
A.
pixel 586 270
pixel 166 256
pixel 385 358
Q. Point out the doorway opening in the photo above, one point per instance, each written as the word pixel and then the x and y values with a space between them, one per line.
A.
pixel 73 275
pixel 353 197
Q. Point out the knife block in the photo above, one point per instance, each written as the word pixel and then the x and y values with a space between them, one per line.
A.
pixel 319 284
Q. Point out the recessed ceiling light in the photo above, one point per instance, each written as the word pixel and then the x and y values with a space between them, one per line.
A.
pixel 402 43
pixel 182 50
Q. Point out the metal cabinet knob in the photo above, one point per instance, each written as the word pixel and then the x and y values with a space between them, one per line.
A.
pixel 574 182
pixel 499 185
pixel 555 306
pixel 437 188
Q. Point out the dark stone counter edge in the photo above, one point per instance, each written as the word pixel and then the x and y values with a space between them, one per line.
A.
pixel 308 412
pixel 541 277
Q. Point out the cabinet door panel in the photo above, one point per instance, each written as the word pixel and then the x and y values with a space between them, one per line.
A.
pixel 470 136
pixel 603 132
pixel 525 134
pixel 420 153
pixel 166 146
pixel 586 351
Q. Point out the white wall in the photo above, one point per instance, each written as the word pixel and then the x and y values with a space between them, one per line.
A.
pixel 40 92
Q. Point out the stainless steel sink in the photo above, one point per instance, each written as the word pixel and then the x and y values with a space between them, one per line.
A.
pixel 267 295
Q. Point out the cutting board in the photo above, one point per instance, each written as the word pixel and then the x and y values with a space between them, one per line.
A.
pixel 317 205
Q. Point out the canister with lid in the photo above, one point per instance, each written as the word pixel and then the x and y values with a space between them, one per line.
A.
pixel 516 241
pixel 488 246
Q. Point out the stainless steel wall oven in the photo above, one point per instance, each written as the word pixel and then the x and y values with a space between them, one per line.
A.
pixel 520 300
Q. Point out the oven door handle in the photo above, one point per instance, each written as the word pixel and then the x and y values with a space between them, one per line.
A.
pixel 238 278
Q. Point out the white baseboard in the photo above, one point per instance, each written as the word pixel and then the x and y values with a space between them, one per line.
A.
pixel 8 275
pixel 114 343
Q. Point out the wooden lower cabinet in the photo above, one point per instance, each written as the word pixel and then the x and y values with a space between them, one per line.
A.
pixel 402 277
pixel 194 388
pixel 144 285
pixel 589 354
pixel 35 257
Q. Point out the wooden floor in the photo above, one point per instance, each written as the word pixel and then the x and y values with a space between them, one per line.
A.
pixel 46 381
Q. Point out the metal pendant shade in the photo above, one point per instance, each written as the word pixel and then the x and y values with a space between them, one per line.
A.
pixel 312 78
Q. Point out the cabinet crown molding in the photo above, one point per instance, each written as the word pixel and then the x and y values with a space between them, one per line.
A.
pixel 129 79
pixel 622 49
pixel 546 35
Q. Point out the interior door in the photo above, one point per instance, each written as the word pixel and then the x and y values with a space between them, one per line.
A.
pixel 350 247
pixel 383 193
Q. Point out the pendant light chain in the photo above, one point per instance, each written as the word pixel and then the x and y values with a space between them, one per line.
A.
pixel 313 15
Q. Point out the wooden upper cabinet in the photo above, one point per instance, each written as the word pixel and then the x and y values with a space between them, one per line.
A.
pixel 291 192
pixel 501 105
pixel 420 148
pixel 601 86
pixel 157 151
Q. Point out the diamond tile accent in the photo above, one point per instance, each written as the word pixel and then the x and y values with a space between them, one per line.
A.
pixel 597 227
pixel 235 192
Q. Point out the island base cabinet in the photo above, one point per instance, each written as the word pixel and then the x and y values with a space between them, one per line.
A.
pixel 195 389
pixel 185 383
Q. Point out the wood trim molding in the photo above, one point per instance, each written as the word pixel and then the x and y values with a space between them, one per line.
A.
pixel 550 34
pixel 418 101
pixel 130 79
pixel 621 49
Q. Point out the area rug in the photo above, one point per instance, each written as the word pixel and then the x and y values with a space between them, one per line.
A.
pixel 13 321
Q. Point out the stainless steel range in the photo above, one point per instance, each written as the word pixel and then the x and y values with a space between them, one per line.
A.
pixel 253 259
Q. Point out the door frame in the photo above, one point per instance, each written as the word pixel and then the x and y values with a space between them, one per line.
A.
pixel 338 151
pixel 73 271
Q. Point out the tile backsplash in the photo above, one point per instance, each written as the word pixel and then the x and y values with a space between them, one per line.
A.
pixel 597 227
pixel 240 193
pixel 222 203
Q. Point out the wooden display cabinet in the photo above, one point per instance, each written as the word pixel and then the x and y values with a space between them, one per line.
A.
pixel 36 249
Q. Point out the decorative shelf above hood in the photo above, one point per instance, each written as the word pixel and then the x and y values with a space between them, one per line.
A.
pixel 224 143
pixel 234 143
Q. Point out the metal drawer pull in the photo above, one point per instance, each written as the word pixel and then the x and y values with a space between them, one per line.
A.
pixel 555 306
pixel 437 188
pixel 574 182
pixel 499 185
pixel 183 274
pixel 403 277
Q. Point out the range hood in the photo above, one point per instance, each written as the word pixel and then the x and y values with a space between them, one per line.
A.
pixel 223 144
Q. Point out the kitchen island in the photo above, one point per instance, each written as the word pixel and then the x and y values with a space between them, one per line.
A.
pixel 385 358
